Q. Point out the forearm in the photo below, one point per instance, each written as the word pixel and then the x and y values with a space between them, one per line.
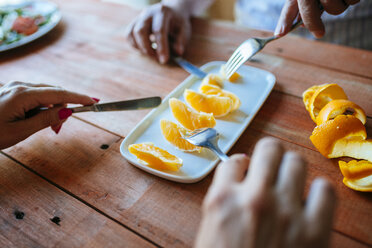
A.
pixel 191 7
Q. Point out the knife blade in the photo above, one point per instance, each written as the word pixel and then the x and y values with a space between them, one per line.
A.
pixel 190 68
pixel 135 104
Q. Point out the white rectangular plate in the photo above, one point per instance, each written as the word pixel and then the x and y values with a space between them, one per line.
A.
pixel 253 89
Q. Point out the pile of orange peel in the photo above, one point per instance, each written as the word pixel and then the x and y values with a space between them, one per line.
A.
pixel 340 132
pixel 199 111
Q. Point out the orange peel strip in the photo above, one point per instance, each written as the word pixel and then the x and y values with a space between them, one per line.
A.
pixel 342 128
pixel 357 175
pixel 339 107
pixel 321 96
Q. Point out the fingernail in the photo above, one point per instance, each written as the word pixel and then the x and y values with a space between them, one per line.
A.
pixel 96 99
pixel 64 113
pixel 162 59
pixel 58 129
pixel 279 30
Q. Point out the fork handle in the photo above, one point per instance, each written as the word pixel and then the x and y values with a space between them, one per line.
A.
pixel 219 153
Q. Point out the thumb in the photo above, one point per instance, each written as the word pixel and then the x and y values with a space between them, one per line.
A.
pixel 46 118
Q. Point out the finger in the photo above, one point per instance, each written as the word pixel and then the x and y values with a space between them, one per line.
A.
pixel 264 165
pixel 181 36
pixel 129 34
pixel 160 28
pixel 18 83
pixel 56 128
pixel 231 171
pixel 47 96
pixel 291 179
pixel 310 14
pixel 287 16
pixel 334 7
pixel 142 31
pixel 46 118
pixel 319 212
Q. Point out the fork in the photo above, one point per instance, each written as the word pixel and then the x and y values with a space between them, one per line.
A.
pixel 248 49
pixel 208 138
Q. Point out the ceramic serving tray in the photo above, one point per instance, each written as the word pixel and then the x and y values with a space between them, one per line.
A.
pixel 252 88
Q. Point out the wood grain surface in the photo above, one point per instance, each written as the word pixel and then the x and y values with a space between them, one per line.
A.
pixel 102 200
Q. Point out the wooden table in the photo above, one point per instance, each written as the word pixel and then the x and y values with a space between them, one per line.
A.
pixel 76 190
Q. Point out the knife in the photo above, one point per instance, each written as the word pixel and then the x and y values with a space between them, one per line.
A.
pixel 136 104
pixel 190 67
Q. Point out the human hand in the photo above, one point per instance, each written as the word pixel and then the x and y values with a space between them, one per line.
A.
pixel 169 26
pixel 17 99
pixel 310 13
pixel 264 208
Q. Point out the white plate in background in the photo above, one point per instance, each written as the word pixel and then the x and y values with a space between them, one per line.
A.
pixel 253 89
pixel 43 7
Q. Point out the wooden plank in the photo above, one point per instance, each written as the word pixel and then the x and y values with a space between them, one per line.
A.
pixel 144 202
pixel 293 77
pixel 29 204
pixel 104 179
pixel 99 62
pixel 326 55
pixel 340 241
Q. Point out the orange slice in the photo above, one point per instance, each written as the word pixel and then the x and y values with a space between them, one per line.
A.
pixel 357 175
pixel 233 78
pixel 173 134
pixel 189 118
pixel 323 95
pixel 342 129
pixel 155 157
pixel 213 79
pixel 214 90
pixel 339 107
pixel 218 106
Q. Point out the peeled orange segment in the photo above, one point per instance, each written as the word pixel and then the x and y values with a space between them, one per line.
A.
pixel 233 78
pixel 339 107
pixel 173 133
pixel 354 148
pixel 213 79
pixel 218 106
pixel 342 129
pixel 322 96
pixel 189 118
pixel 357 175
pixel 155 157
pixel 214 90
pixel 355 169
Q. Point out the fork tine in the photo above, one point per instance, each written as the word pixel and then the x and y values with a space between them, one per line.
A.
pixel 237 57
pixel 233 56
pixel 235 67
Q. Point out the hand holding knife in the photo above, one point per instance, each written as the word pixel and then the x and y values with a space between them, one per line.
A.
pixel 135 104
